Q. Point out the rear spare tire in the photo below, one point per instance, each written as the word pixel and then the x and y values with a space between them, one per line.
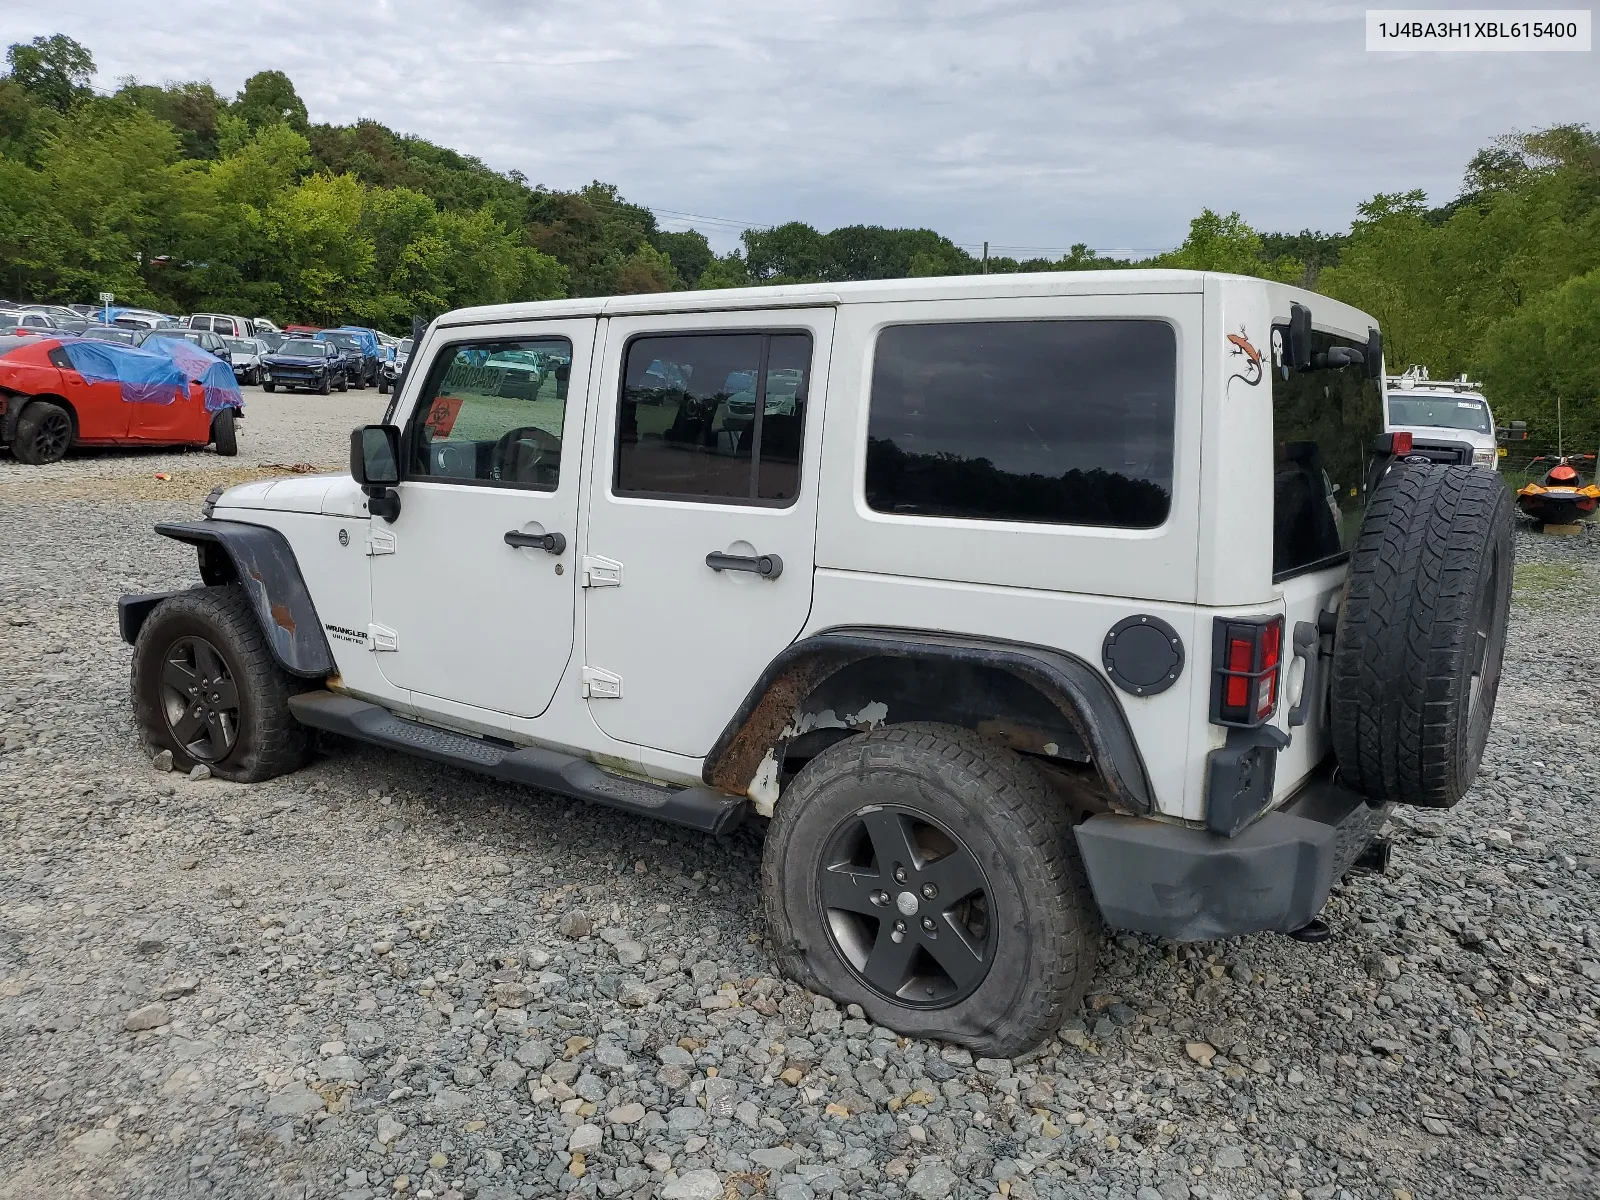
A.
pixel 932 878
pixel 1421 635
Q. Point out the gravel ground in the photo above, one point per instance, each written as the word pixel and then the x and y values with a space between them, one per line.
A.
pixel 380 977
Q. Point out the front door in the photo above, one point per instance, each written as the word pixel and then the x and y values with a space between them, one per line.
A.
pixel 702 516
pixel 472 586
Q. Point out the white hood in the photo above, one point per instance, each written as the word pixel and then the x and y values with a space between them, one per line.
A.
pixel 335 495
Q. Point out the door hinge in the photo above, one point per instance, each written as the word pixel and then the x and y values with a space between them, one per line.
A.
pixel 601 685
pixel 601 572
pixel 381 637
pixel 380 541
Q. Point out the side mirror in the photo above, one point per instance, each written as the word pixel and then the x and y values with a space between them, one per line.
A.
pixel 1374 354
pixel 375 465
pixel 375 456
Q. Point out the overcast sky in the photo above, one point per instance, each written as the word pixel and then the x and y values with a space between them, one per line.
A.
pixel 1030 124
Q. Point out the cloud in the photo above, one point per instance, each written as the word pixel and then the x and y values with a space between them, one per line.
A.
pixel 1028 124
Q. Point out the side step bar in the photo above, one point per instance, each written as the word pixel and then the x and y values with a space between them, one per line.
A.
pixel 698 808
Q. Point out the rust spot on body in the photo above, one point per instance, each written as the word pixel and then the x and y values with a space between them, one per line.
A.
pixel 281 617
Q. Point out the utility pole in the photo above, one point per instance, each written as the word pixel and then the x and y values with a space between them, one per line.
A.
pixel 986 258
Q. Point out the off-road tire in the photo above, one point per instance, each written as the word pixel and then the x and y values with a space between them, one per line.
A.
pixel 1042 911
pixel 1424 615
pixel 270 741
pixel 43 435
pixel 223 435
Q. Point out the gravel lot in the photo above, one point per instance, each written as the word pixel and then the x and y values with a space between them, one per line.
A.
pixel 381 977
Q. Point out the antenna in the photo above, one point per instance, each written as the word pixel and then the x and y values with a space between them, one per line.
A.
pixel 1561 451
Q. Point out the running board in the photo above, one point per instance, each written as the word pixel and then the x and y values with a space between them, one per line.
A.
pixel 698 808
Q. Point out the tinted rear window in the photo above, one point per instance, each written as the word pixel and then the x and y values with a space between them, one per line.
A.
pixel 1056 422
pixel 1324 422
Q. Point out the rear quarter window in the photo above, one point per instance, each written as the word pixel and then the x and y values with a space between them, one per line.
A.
pixel 1064 422
pixel 1324 422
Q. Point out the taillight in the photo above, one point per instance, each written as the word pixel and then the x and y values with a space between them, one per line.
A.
pixel 1246 655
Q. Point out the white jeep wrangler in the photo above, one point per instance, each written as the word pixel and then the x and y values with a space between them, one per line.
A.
pixel 1022 605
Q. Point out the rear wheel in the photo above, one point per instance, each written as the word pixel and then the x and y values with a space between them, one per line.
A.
pixel 43 435
pixel 933 879
pixel 1421 636
pixel 206 687
pixel 223 435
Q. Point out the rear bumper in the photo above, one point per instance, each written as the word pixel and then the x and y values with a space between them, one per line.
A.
pixel 1190 885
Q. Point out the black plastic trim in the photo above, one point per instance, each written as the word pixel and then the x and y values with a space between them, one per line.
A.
pixel 697 808
pixel 266 568
pixel 1239 777
pixel 1179 882
pixel 133 611
pixel 1089 703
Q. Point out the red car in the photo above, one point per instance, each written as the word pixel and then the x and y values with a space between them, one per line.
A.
pixel 60 392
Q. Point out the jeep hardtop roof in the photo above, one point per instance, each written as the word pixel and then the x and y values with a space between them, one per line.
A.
pixel 1326 311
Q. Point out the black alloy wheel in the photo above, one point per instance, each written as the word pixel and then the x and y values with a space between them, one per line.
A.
pixel 906 904
pixel 200 699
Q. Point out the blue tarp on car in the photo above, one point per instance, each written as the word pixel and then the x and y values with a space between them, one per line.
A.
pixel 222 390
pixel 145 376
pixel 368 339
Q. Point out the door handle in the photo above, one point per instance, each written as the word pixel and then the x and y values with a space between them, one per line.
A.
pixel 550 543
pixel 768 566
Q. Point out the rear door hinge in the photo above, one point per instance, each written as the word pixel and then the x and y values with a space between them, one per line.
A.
pixel 601 685
pixel 380 541
pixel 601 572
pixel 381 637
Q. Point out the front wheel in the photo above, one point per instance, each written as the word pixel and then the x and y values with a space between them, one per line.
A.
pixel 932 878
pixel 206 687
pixel 383 387
pixel 324 387
pixel 269 386
pixel 43 434
pixel 223 435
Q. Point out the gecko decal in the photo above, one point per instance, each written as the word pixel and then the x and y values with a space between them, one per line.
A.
pixel 1250 369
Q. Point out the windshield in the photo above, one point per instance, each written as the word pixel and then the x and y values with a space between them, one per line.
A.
pixel 342 339
pixel 303 349
pixel 242 345
pixel 1441 412
pixel 404 347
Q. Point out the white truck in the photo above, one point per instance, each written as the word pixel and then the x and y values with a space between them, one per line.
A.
pixel 1021 606
pixel 1449 420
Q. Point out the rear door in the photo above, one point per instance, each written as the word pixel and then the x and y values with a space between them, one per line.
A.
pixel 702 515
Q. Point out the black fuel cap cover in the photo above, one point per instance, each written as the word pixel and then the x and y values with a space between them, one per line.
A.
pixel 1143 655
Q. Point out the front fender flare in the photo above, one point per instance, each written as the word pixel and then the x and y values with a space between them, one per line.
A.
pixel 264 565
pixel 1078 690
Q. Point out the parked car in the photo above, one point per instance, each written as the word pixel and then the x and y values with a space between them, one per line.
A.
pixel 304 363
pixel 59 393
pixel 109 333
pixel 64 317
pixel 246 358
pixel 211 343
pixel 272 341
pixel 141 318
pixel 1449 420
pixel 263 325
pixel 27 320
pixel 394 366
pixel 1020 616
pixel 372 352
pixel 359 365
pixel 227 326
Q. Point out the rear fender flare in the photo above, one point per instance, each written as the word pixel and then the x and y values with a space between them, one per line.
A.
pixel 772 710
pixel 262 562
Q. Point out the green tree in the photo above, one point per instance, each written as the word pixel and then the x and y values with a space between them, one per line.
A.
pixel 54 70
pixel 1218 243
pixel 269 98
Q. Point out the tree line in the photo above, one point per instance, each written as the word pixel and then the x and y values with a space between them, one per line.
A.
pixel 181 199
